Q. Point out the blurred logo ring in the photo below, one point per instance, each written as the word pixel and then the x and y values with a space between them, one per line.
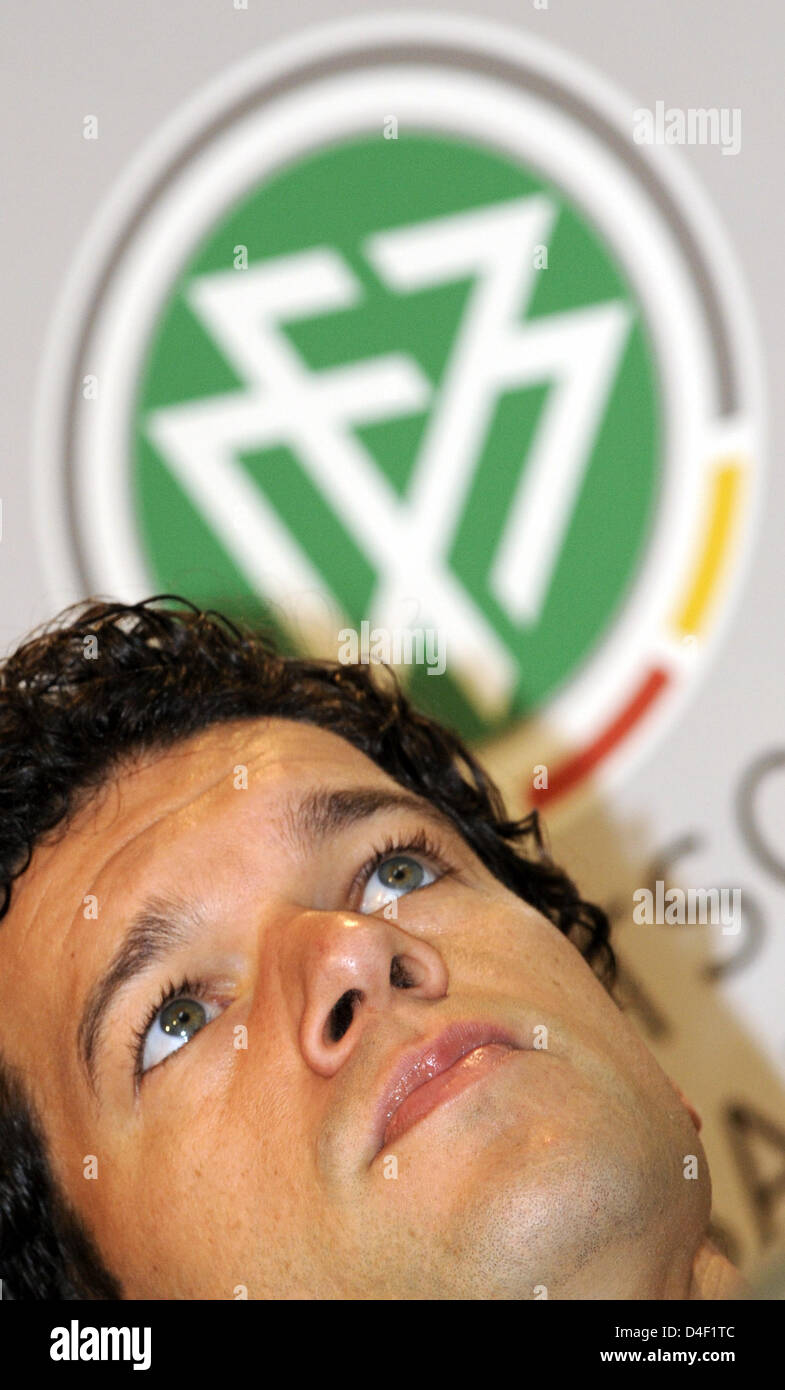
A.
pixel 397 319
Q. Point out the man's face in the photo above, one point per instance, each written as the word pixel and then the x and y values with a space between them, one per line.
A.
pixel 299 1142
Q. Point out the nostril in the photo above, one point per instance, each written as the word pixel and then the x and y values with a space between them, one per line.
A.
pixel 341 1015
pixel 400 976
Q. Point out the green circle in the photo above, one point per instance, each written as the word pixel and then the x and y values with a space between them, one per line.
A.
pixel 336 198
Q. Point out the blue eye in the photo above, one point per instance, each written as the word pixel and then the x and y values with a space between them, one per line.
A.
pixel 394 876
pixel 174 1024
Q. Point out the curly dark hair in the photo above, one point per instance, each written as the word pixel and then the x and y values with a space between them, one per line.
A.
pixel 107 681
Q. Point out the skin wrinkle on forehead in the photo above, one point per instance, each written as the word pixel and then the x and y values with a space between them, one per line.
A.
pixel 92 809
pixel 293 825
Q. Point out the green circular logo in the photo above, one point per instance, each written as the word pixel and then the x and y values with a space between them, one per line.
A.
pixel 533 343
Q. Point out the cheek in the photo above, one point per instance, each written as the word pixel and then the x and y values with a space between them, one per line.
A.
pixel 614 1055
pixel 501 940
pixel 492 928
pixel 204 1191
pixel 165 1214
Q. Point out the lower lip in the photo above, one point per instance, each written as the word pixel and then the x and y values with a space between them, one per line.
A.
pixel 456 1079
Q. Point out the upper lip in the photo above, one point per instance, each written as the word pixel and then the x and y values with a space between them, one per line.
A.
pixel 413 1068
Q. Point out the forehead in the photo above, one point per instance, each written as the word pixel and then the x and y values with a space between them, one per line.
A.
pixel 224 783
pixel 194 782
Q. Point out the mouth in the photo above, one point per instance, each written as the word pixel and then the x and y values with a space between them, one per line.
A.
pixel 439 1070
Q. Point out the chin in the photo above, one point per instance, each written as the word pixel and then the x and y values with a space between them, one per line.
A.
pixel 514 1220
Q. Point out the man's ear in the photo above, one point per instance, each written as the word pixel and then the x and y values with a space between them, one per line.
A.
pixel 691 1111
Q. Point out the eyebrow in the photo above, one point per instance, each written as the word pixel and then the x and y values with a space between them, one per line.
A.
pixel 161 925
pixel 165 923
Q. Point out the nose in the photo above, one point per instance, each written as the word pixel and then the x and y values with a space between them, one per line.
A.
pixel 354 966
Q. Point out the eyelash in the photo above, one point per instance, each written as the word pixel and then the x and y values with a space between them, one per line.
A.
pixel 420 843
pixel 192 989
